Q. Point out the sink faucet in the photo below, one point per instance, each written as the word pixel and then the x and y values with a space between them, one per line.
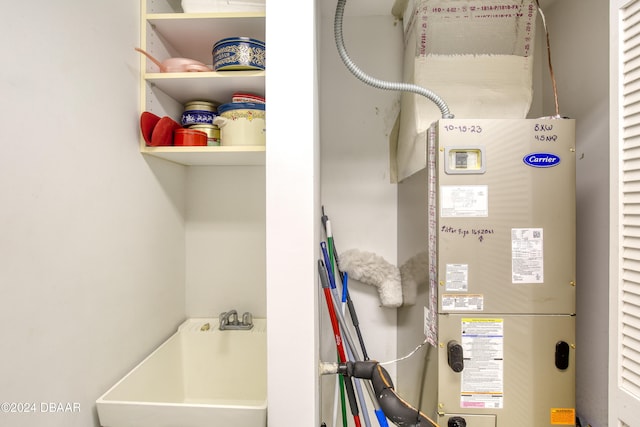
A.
pixel 229 321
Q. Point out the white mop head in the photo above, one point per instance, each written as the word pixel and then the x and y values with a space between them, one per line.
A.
pixel 374 270
pixel 414 273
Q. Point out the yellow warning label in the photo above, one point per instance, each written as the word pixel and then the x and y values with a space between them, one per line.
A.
pixel 481 320
pixel 563 416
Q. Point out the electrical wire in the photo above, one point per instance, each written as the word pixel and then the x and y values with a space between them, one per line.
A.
pixel 377 83
pixel 389 362
pixel 553 78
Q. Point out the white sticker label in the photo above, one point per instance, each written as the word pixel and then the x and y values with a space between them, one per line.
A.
pixel 464 201
pixel 457 277
pixel 482 380
pixel 427 321
pixel 527 258
pixel 467 302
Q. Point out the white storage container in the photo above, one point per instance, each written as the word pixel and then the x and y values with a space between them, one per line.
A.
pixel 212 6
pixel 241 123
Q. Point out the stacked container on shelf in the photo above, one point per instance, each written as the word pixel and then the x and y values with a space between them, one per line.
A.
pixel 198 116
pixel 243 120
pixel 193 29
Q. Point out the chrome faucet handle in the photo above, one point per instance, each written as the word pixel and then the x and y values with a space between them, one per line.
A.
pixel 229 321
pixel 247 318
pixel 229 317
pixel 233 317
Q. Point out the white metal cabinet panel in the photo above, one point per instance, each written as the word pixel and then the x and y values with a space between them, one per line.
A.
pixel 528 388
pixel 491 217
pixel 478 211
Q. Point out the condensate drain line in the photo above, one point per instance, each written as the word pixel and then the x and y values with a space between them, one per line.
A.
pixel 553 77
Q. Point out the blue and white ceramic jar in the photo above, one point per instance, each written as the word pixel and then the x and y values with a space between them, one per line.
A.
pixel 198 113
pixel 238 53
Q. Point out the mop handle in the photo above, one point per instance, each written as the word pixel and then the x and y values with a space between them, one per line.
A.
pixel 352 309
pixel 330 277
pixel 322 271
pixel 324 282
pixel 326 223
pixel 363 402
pixel 382 419
pixel 350 344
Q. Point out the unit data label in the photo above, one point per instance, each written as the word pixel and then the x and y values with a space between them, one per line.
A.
pixel 482 380
pixel 462 302
pixel 527 260
pixel 464 201
pixel 457 277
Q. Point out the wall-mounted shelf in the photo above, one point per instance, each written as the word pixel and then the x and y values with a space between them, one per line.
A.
pixel 209 156
pixel 220 85
pixel 168 33
pixel 193 35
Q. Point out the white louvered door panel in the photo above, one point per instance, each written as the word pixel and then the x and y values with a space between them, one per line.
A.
pixel 624 390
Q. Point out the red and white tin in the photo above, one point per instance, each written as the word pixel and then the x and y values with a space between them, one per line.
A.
pixel 247 97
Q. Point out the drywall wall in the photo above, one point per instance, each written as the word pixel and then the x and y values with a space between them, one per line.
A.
pixel 579 33
pixel 225 240
pixel 92 235
pixel 356 191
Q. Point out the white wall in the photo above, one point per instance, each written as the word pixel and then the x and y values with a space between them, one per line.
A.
pixel 91 235
pixel 355 123
pixel 225 233
pixel 581 65
pixel 292 194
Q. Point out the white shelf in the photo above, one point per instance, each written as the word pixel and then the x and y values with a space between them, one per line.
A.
pixel 168 33
pixel 193 35
pixel 217 86
pixel 244 155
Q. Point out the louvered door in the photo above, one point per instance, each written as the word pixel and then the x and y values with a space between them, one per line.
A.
pixel 624 396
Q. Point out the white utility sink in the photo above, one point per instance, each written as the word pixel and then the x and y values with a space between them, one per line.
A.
pixel 197 378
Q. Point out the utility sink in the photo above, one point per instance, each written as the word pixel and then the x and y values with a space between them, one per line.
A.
pixel 199 377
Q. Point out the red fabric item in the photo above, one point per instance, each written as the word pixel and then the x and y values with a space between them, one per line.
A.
pixel 148 122
pixel 163 132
